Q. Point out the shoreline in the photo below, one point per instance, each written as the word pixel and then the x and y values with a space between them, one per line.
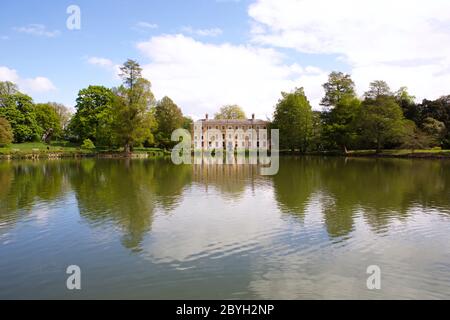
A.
pixel 445 155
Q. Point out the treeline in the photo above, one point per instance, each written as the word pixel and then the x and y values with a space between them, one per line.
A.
pixel 129 116
pixel 380 119
pixel 126 116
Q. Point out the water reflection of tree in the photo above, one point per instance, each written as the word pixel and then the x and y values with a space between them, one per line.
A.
pixel 296 181
pixel 23 184
pixel 382 190
pixel 127 193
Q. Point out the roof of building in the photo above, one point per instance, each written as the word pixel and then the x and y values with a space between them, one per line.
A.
pixel 233 122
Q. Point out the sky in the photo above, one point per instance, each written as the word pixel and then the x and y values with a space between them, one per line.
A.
pixel 204 54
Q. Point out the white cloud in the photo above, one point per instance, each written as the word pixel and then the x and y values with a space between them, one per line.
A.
pixel 146 25
pixel 106 64
pixel 28 85
pixel 213 32
pixel 102 62
pixel 38 30
pixel 201 77
pixel 406 42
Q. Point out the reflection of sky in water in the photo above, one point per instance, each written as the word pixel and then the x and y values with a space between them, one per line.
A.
pixel 147 229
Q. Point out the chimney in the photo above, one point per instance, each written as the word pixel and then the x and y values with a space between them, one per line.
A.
pixel 253 116
pixel 206 116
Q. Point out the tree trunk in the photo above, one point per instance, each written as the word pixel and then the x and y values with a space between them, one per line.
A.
pixel 345 149
pixel 127 149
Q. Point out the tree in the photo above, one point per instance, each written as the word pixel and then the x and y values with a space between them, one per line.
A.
pixel 339 85
pixel 435 129
pixel 93 118
pixel 63 113
pixel 133 120
pixel 18 109
pixel 439 110
pixel 414 138
pixel 408 104
pixel 48 120
pixel 8 88
pixel 341 127
pixel 378 88
pixel 381 121
pixel 6 133
pixel 169 118
pixel 231 112
pixel 188 123
pixel 293 117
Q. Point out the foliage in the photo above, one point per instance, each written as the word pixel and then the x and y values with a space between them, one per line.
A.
pixel 414 138
pixel 18 109
pixel 48 119
pixel 377 89
pixel 341 128
pixel 169 118
pixel 339 85
pixel 231 112
pixel 133 119
pixel 93 117
pixel 87 144
pixel 381 121
pixel 6 132
pixel 293 117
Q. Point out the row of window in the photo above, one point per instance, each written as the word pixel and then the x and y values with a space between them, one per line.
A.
pixel 231 128
pixel 243 145
pixel 242 137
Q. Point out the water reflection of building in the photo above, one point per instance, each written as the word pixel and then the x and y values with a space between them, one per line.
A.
pixel 231 178
pixel 230 134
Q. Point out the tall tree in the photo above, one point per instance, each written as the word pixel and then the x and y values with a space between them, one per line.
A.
pixel 293 117
pixel 48 119
pixel 8 88
pixel 18 109
pixel 93 117
pixel 231 112
pixel 381 121
pixel 378 88
pixel 341 123
pixel 339 85
pixel 407 102
pixel 169 118
pixel 134 122
pixel 6 133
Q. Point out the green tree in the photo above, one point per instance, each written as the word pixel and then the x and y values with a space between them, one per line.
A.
pixel 6 133
pixel 18 109
pixel 169 118
pixel 293 117
pixel 230 112
pixel 341 127
pixel 408 104
pixel 133 122
pixel 93 118
pixel 8 88
pixel 378 88
pixel 339 85
pixel 188 123
pixel 435 129
pixel 414 138
pixel 381 121
pixel 48 119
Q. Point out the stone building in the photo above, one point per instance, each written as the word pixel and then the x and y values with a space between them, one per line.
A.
pixel 230 134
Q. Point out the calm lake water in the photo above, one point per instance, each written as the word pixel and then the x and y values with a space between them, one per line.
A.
pixel 148 229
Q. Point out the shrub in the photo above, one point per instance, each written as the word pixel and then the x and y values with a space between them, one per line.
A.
pixel 6 133
pixel 87 144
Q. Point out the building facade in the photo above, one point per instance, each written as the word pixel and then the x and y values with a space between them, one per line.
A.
pixel 230 134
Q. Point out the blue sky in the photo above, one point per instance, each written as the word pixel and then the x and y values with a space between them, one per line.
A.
pixel 204 54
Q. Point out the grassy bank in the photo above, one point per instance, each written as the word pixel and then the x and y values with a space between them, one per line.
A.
pixel 37 150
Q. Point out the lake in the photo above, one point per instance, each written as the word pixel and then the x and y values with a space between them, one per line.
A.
pixel 147 229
